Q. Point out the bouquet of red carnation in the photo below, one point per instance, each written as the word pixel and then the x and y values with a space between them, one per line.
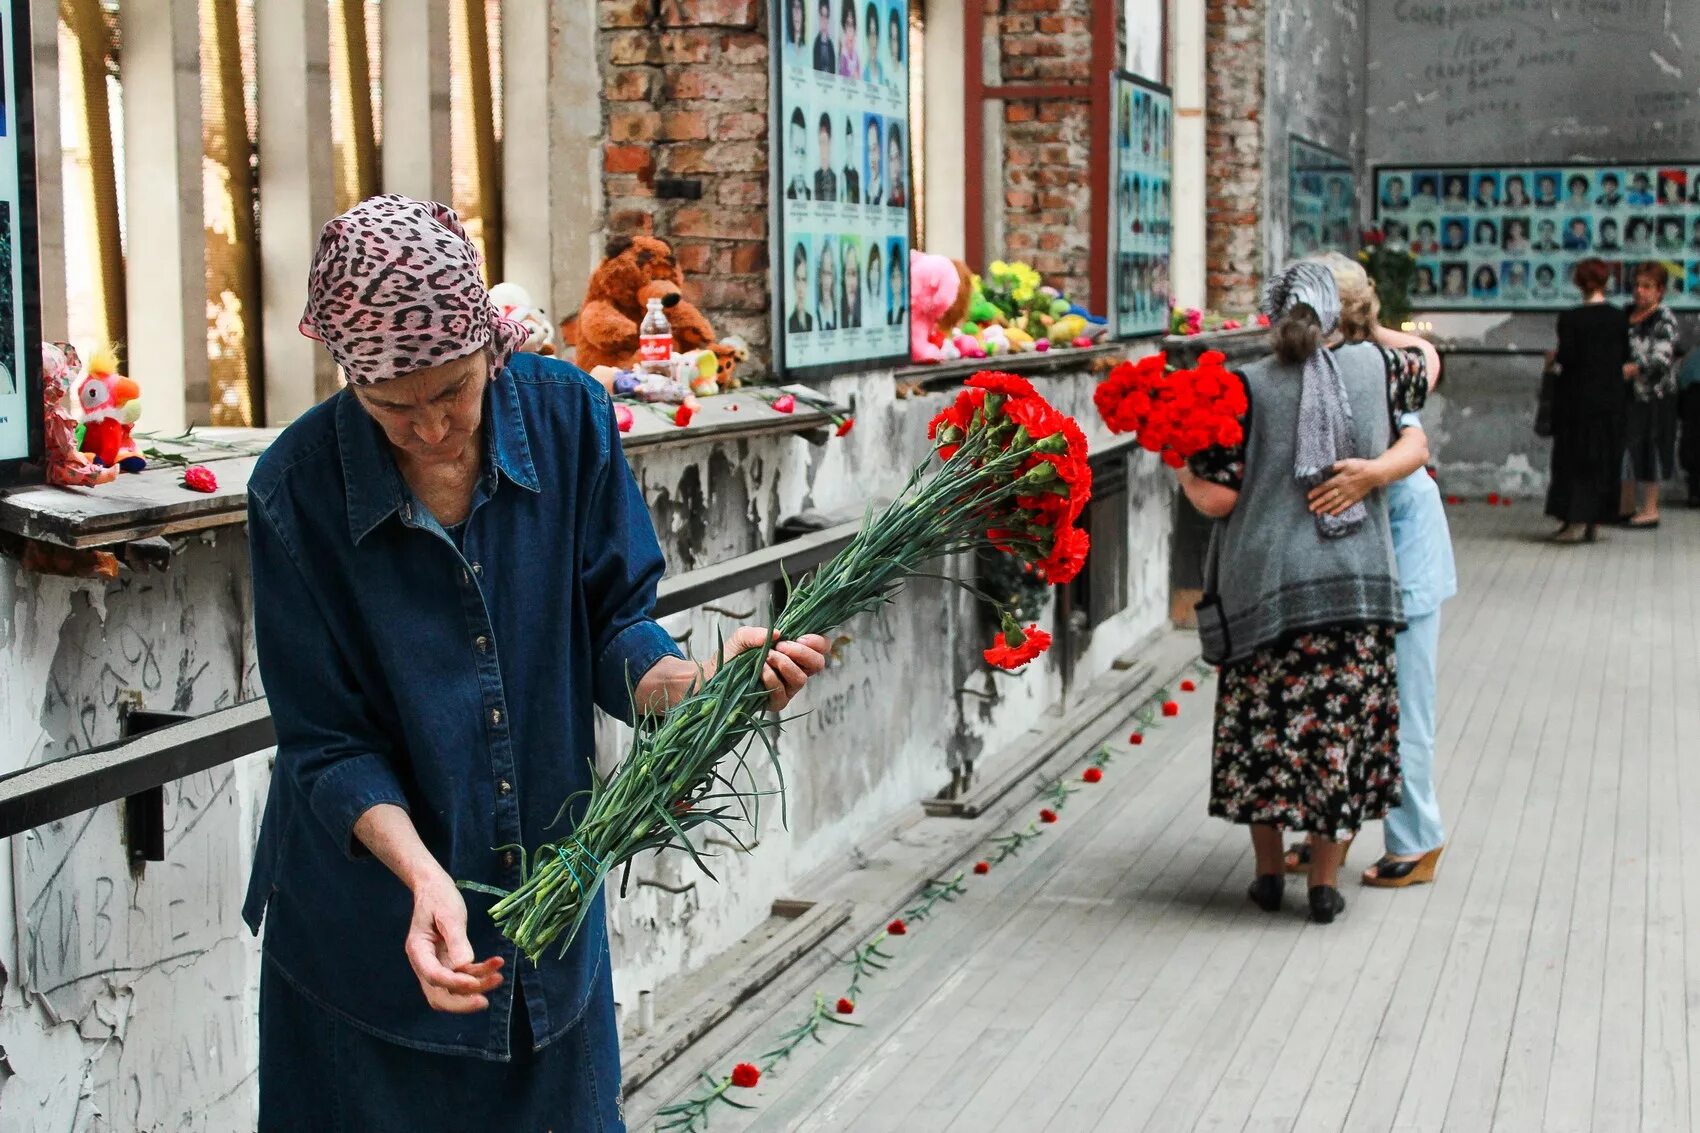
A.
pixel 1014 476
pixel 1177 413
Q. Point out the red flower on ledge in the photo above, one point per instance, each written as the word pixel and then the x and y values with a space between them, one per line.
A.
pixel 200 478
pixel 1170 708
pixel 982 867
pixel 745 1076
pixel 845 1007
pixel 897 928
pixel 1047 815
pixel 1136 739
pixel 1188 686
pixel 1091 775
pixel 845 426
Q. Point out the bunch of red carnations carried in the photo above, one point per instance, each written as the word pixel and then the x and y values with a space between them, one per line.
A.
pixel 1014 476
pixel 1176 413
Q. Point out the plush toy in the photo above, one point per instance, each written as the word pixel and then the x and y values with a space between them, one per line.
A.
pixel 1065 330
pixel 933 285
pixel 67 465
pixel 1019 340
pixel 996 339
pixel 982 312
pixel 957 313
pixel 968 346
pixel 110 409
pixel 605 330
pixel 515 303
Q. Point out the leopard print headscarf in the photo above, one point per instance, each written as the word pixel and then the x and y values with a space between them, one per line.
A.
pixel 396 286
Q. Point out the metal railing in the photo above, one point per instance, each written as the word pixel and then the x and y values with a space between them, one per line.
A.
pixel 74 783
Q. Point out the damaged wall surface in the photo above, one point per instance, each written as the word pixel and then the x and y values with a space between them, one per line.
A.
pixel 1315 90
pixel 127 1000
pixel 1533 80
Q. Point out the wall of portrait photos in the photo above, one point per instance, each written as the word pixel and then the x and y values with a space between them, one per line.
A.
pixel 20 308
pixel 1141 205
pixel 1508 237
pixel 1322 200
pixel 841 129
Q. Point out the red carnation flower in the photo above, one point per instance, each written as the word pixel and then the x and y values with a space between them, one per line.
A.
pixel 1493 498
pixel 846 425
pixel 1047 815
pixel 1033 642
pixel 1067 557
pixel 1136 739
pixel 1091 775
pixel 682 415
pixel 845 1007
pixel 623 418
pixel 999 382
pixel 1453 500
pixel 745 1076
pixel 897 928
pixel 784 403
pixel 200 478
pixel 982 867
pixel 1188 686
pixel 1170 708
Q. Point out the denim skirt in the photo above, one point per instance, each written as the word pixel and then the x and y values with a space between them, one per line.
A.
pixel 319 1072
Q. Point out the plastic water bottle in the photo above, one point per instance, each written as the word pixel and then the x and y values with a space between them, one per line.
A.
pixel 655 342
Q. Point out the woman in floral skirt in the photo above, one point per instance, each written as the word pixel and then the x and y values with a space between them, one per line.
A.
pixel 1302 607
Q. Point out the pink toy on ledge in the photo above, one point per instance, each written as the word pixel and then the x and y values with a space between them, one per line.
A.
pixel 933 285
pixel 66 465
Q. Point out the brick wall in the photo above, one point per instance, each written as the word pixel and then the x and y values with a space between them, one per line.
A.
pixel 686 100
pixel 1234 152
pixel 1046 158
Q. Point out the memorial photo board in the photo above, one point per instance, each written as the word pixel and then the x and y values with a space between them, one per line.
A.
pixel 1141 205
pixel 841 135
pixel 1499 238
pixel 1322 200
pixel 20 306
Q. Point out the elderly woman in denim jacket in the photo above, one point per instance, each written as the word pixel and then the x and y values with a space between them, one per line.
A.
pixel 453 567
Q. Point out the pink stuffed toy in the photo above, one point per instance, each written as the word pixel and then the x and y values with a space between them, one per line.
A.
pixel 933 285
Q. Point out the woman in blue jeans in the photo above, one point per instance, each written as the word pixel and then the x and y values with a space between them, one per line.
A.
pixel 1413 833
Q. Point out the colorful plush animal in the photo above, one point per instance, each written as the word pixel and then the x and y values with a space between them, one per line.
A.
pixel 933 285
pixel 515 303
pixel 110 407
pixel 605 330
pixel 67 465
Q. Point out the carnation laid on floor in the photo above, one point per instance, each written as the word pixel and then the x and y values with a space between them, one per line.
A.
pixel 1014 476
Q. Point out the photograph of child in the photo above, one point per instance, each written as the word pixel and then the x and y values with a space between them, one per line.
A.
pixel 1454 234
pixel 1454 280
pixel 1546 190
pixel 1485 191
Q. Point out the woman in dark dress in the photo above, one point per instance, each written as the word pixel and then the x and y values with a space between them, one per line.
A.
pixel 1588 409
pixel 1305 603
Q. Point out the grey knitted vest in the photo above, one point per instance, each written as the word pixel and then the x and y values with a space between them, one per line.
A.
pixel 1268 573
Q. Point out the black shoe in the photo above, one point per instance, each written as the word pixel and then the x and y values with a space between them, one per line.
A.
pixel 1266 891
pixel 1325 903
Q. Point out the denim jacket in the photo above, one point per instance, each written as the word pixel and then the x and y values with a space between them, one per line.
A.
pixel 457 681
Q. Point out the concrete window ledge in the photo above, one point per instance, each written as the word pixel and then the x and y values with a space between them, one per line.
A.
pixel 154 503
pixel 944 375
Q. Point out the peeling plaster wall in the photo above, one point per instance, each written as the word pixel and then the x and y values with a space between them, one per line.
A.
pixel 127 1001
pixel 127 998
pixel 1315 89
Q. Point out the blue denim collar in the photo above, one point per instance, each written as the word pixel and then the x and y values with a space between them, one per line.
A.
pixel 373 487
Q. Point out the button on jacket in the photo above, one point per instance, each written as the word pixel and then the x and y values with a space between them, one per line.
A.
pixel 452 675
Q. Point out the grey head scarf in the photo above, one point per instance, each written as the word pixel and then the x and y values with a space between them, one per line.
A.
pixel 1325 412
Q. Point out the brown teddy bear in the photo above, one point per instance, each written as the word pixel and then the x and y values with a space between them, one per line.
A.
pixel 605 330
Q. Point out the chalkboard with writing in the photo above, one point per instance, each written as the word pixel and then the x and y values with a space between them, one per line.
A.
pixel 1505 238
pixel 1474 81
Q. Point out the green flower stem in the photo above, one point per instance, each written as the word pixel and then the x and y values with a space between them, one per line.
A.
pixel 690 767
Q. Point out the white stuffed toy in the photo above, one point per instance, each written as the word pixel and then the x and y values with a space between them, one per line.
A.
pixel 514 302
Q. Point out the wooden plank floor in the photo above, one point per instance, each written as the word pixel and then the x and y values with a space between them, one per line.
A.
pixel 1114 977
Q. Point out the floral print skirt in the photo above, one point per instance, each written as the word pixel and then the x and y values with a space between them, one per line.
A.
pixel 1307 733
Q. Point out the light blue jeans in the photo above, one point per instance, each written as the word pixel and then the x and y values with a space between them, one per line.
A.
pixel 1414 826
